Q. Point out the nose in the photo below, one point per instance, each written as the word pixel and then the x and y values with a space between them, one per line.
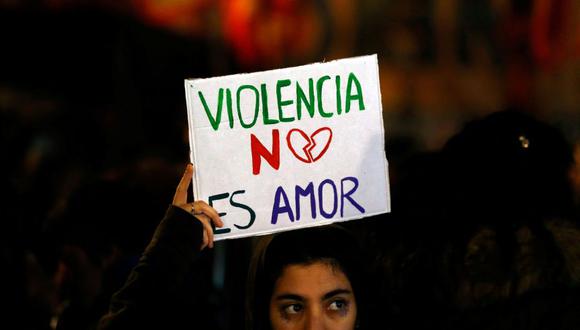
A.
pixel 314 319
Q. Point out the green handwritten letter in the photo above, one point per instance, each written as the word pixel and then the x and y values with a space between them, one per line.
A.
pixel 215 122
pixel 350 97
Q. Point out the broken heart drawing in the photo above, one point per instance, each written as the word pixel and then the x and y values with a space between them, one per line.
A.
pixel 309 148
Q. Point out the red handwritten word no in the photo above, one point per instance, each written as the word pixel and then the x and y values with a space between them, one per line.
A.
pixel 306 148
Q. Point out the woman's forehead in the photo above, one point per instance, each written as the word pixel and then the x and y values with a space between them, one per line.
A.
pixel 311 280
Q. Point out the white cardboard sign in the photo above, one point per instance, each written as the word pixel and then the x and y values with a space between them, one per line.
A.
pixel 289 148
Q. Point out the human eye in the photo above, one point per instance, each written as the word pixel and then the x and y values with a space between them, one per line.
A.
pixel 338 305
pixel 292 309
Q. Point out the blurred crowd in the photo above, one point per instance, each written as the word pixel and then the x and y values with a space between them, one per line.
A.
pixel 482 125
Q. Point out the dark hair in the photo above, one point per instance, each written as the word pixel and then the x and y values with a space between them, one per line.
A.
pixel 329 244
pixel 510 162
pixel 508 191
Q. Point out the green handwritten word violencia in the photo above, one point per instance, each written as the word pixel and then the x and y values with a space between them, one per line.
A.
pixel 309 100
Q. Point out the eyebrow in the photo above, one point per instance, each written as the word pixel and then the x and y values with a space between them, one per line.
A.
pixel 336 292
pixel 290 296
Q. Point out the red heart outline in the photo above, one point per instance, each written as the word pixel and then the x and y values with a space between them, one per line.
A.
pixel 310 145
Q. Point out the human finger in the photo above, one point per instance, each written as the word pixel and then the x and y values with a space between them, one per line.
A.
pixel 203 207
pixel 207 230
pixel 180 196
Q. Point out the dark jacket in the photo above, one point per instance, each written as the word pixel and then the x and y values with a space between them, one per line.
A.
pixel 153 295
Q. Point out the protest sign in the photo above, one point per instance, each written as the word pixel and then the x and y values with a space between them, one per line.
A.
pixel 289 148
